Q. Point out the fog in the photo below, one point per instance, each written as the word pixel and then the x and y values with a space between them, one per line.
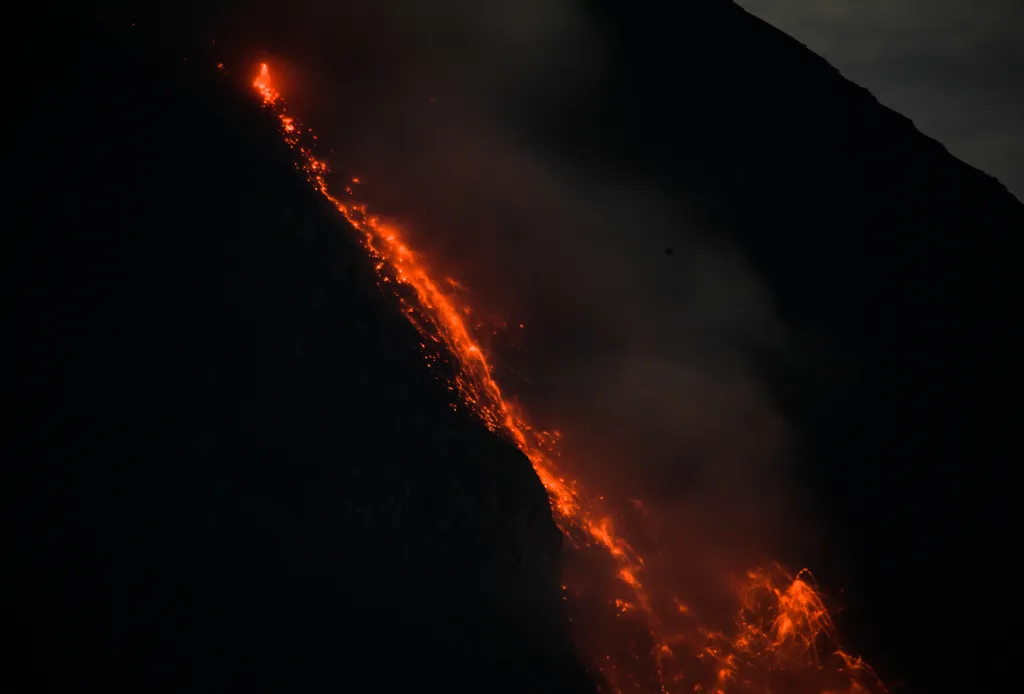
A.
pixel 640 357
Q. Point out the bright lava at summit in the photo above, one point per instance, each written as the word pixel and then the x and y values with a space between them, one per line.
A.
pixel 781 640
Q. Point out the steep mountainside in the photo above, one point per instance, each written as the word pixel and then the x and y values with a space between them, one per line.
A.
pixel 192 322
pixel 891 260
pixel 243 476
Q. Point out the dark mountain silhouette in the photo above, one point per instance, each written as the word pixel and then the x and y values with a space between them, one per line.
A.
pixel 244 477
pixel 891 259
pixel 193 333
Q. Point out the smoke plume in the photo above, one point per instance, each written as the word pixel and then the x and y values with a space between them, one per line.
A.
pixel 638 326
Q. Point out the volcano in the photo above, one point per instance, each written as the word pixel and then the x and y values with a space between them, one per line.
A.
pixel 248 477
pixel 251 482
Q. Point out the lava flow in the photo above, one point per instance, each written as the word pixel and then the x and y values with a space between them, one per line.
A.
pixel 781 636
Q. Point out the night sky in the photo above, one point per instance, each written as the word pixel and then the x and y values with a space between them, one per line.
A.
pixel 728 312
pixel 952 67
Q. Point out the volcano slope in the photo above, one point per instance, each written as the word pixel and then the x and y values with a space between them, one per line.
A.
pixel 244 476
pixel 891 262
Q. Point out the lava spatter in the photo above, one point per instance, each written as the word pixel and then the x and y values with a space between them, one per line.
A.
pixel 781 640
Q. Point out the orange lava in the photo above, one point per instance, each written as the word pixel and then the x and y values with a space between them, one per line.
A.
pixel 782 638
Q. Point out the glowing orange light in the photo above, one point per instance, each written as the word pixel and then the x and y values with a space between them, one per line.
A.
pixel 782 625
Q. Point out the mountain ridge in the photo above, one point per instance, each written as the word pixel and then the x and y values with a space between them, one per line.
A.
pixel 241 471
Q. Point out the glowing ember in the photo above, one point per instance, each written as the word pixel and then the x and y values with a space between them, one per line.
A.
pixel 782 637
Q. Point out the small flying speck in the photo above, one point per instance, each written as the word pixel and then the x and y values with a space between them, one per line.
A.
pixel 668 251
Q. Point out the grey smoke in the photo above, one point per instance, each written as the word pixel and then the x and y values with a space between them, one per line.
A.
pixel 642 359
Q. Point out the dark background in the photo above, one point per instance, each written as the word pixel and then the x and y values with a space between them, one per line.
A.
pixel 819 371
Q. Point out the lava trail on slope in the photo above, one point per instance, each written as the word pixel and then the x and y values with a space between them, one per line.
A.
pixel 636 638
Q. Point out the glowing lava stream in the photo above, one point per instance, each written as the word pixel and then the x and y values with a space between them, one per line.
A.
pixel 783 626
